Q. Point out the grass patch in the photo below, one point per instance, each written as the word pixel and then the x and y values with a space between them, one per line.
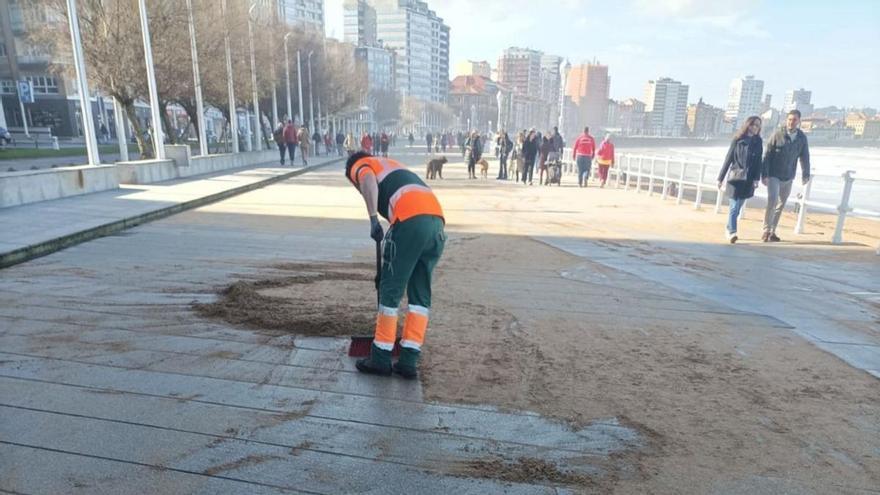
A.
pixel 25 153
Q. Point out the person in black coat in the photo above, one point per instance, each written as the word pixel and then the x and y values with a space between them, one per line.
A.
pixel 504 147
pixel 741 170
pixel 530 153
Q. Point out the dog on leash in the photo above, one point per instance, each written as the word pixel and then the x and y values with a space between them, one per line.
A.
pixel 484 168
pixel 435 168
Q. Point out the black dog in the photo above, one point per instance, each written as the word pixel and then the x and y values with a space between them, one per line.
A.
pixel 435 168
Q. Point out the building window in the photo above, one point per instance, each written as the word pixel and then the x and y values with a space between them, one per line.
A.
pixel 44 85
pixel 2 49
pixel 7 87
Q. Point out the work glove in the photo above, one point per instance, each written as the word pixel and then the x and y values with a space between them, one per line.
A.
pixel 376 231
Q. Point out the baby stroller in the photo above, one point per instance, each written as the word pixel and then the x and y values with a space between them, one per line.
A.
pixel 554 169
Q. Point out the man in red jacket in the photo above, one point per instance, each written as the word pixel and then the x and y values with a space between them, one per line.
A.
pixel 584 147
pixel 290 140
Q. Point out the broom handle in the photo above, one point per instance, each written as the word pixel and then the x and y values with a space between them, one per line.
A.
pixel 378 270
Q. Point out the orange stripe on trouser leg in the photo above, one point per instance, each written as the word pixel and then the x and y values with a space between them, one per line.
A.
pixel 386 330
pixel 414 328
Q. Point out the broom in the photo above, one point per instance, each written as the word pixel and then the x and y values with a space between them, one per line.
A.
pixel 361 344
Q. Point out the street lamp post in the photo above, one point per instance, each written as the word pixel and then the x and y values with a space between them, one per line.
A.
pixel 287 75
pixel 311 102
pixel 299 83
pixel 79 63
pixel 197 82
pixel 258 139
pixel 158 140
pixel 233 115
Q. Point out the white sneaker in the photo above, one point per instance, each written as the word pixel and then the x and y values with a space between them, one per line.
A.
pixel 732 237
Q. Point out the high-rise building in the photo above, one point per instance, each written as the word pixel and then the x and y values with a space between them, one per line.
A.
pixel 589 86
pixel 527 75
pixel 379 63
pixel 473 68
pixel 744 98
pixel 666 107
pixel 420 41
pixel 360 23
pixel 520 69
pixel 303 13
pixel 704 120
pixel 551 86
pixel 798 99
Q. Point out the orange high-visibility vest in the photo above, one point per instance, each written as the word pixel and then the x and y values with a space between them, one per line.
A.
pixel 402 194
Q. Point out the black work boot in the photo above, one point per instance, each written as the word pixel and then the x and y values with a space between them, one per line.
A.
pixel 406 366
pixel 379 362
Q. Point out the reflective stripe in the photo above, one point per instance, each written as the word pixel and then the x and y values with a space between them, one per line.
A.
pixel 411 345
pixel 385 310
pixel 383 345
pixel 380 167
pixel 414 308
pixel 386 167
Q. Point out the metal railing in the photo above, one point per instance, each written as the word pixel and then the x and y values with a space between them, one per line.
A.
pixel 650 172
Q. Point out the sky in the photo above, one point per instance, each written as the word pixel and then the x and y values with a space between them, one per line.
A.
pixel 827 46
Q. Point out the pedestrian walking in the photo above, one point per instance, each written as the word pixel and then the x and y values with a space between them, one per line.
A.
pixel 367 143
pixel 316 137
pixel 530 153
pixel 474 153
pixel 278 137
pixel 429 138
pixel 411 139
pixel 741 171
pixel 517 156
pixel 605 158
pixel 291 140
pixel 340 142
pixel 785 148
pixel 443 142
pixel 584 148
pixel 384 142
pixel 304 144
pixel 505 145
pixel 558 141
pixel 547 147
pixel 413 246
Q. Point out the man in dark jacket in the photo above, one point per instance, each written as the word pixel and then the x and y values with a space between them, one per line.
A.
pixel 558 142
pixel 340 142
pixel 779 168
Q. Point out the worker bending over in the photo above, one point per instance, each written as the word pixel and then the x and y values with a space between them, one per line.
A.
pixel 413 246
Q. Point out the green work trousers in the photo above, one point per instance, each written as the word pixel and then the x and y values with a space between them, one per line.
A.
pixel 412 249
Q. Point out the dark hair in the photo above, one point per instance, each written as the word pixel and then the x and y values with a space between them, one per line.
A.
pixel 795 112
pixel 744 130
pixel 354 158
pixel 586 130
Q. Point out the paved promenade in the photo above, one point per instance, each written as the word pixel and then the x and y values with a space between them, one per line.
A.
pixel 585 341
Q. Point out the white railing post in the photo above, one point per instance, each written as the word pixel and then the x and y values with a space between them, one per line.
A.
pixel 639 177
pixel 651 177
pixel 628 173
pixel 680 198
pixel 802 210
pixel 718 199
pixel 666 178
pixel 617 170
pixel 698 202
pixel 843 208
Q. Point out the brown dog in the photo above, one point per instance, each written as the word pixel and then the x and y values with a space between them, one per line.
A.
pixel 484 168
pixel 435 168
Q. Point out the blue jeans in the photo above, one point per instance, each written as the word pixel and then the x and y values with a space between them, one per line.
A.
pixel 584 163
pixel 735 207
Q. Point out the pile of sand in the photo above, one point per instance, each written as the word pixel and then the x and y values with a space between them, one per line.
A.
pixel 333 299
